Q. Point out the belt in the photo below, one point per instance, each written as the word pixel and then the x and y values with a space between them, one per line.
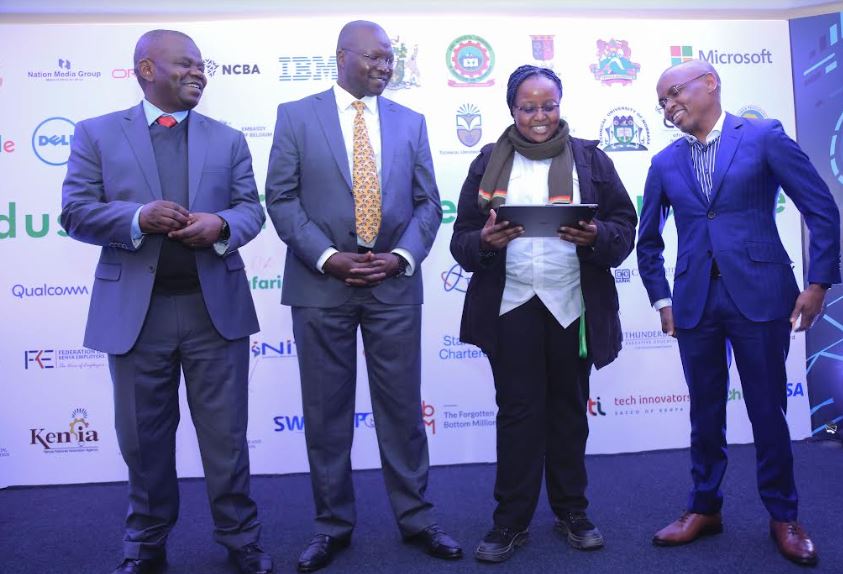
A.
pixel 715 270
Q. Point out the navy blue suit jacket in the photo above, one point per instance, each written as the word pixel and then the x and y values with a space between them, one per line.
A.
pixel 738 226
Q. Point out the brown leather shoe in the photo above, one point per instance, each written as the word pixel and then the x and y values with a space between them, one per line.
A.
pixel 688 528
pixel 793 542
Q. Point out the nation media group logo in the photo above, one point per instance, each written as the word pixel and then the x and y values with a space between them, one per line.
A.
pixel 63 71
pixel 51 140
pixel 470 59
pixel 614 65
pixel 405 70
pixel 76 436
pixel 238 69
pixel 307 68
pixel 684 53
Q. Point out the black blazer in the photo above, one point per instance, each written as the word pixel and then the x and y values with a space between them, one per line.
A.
pixel 615 219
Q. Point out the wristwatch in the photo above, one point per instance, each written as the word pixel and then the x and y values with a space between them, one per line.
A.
pixel 225 231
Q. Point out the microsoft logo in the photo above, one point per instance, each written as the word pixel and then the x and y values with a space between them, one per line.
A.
pixel 679 54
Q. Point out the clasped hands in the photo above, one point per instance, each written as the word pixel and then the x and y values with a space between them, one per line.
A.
pixel 495 236
pixel 194 230
pixel 362 269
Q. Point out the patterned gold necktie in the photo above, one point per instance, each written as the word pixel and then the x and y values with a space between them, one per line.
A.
pixel 365 185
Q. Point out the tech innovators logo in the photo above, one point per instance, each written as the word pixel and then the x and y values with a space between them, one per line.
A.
pixel 51 140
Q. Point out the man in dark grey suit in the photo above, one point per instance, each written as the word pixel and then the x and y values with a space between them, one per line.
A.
pixel 351 191
pixel 170 196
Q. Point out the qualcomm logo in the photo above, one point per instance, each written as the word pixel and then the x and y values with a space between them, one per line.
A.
pixel 51 140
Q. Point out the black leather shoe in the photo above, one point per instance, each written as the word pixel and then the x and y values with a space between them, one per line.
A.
pixel 142 565
pixel 320 551
pixel 500 544
pixel 251 559
pixel 437 543
pixel 579 530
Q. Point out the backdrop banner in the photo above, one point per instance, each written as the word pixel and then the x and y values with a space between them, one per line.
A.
pixel 57 400
pixel 818 91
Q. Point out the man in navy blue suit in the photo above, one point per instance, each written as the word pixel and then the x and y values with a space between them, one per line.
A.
pixel 734 290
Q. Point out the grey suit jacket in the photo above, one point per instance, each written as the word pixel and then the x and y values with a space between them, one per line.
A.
pixel 110 174
pixel 309 198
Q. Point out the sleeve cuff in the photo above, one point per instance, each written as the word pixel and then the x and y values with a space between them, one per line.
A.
pixel 411 263
pixel 137 234
pixel 662 303
pixel 320 263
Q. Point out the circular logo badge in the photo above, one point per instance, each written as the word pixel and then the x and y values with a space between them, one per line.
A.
pixel 51 140
pixel 470 59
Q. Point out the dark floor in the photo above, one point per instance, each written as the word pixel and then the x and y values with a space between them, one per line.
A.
pixel 77 529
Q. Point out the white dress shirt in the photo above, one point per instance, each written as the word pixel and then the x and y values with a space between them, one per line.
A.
pixel 544 266
pixel 371 116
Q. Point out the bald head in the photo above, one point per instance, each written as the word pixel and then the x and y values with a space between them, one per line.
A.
pixel 690 95
pixel 148 43
pixel 364 59
pixel 170 70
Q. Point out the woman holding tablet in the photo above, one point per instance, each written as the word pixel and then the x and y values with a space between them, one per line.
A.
pixel 544 309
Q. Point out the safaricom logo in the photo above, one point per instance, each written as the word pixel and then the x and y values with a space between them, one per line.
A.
pixel 679 54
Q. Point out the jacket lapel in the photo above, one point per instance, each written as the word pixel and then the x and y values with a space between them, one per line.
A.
pixel 682 155
pixel 389 128
pixel 137 132
pixel 325 105
pixel 197 148
pixel 729 140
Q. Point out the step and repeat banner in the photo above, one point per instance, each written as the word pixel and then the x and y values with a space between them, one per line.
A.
pixel 56 406
pixel 818 85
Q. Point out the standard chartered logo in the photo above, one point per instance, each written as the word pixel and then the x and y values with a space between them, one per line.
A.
pixel 24 291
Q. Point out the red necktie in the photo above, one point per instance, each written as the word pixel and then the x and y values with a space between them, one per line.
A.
pixel 166 121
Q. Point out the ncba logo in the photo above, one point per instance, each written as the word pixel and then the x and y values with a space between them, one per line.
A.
pixel 51 140
pixel 242 69
pixel 471 60
pixel 469 125
pixel 613 64
pixel 79 435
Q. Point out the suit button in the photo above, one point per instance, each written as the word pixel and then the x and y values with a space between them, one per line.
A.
pixel 711 215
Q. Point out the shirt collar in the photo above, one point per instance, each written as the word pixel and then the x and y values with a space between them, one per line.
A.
pixel 713 134
pixel 152 113
pixel 345 99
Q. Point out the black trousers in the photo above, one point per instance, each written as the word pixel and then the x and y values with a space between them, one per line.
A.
pixel 541 389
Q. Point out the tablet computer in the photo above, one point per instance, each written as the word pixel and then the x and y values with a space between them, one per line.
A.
pixel 545 220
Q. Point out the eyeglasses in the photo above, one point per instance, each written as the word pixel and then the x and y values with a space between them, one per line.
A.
pixel 530 109
pixel 387 61
pixel 674 91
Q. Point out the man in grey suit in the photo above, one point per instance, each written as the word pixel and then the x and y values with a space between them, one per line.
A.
pixel 170 196
pixel 351 191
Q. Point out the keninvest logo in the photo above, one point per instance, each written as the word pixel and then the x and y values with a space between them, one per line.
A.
pixel 679 54
pixel 51 140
